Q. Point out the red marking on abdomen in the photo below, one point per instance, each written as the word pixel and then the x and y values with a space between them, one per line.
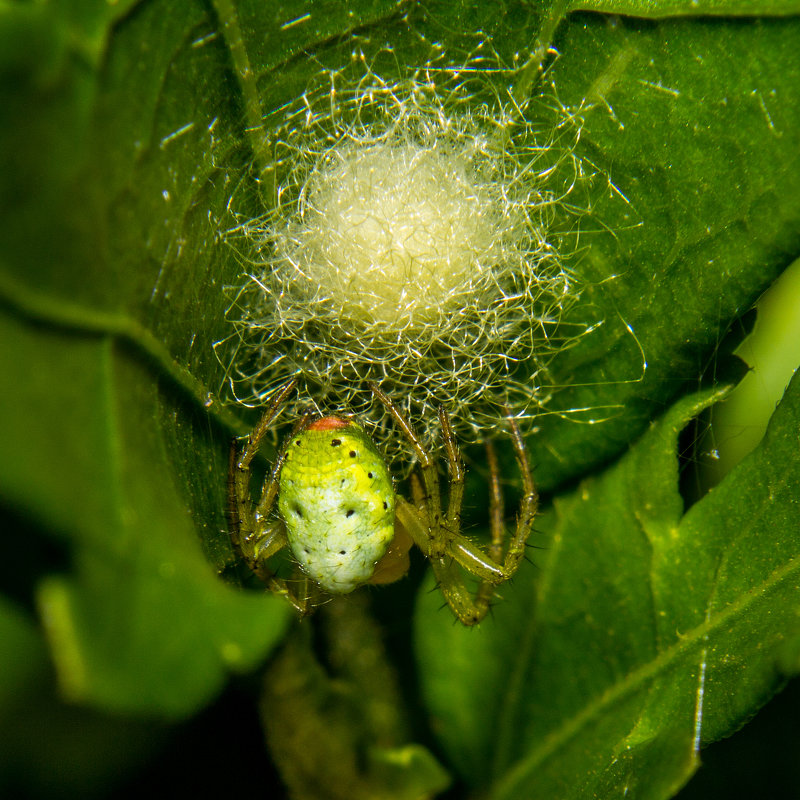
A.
pixel 328 424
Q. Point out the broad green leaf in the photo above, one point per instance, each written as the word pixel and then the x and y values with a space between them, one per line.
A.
pixel 697 122
pixel 143 623
pixel 659 9
pixel 641 634
pixel 105 444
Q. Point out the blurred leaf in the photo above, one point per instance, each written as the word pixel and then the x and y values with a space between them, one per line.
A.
pixel 105 443
pixel 23 658
pixel 87 753
pixel 641 634
pixel 334 717
pixel 143 623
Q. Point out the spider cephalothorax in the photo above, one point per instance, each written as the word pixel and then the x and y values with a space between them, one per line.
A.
pixel 339 515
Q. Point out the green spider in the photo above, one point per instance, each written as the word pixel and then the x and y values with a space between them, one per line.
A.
pixel 344 524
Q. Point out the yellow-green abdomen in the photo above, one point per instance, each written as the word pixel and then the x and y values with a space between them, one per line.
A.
pixel 337 502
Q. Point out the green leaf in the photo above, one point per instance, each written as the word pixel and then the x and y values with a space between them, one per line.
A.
pixel 106 446
pixel 22 655
pixel 143 623
pixel 91 750
pixel 697 123
pixel 334 717
pixel 659 9
pixel 641 634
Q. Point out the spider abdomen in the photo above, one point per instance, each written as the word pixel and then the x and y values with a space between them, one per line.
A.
pixel 337 502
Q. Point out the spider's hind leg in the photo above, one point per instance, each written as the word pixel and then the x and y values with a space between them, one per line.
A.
pixel 485 591
pixel 529 504
pixel 493 567
pixel 439 535
pixel 455 469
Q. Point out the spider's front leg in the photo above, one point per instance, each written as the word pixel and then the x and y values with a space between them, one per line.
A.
pixel 254 536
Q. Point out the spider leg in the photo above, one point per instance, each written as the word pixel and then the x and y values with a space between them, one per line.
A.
pixel 455 468
pixel 269 491
pixel 417 492
pixel 248 529
pixel 451 586
pixel 256 436
pixel 495 568
pixel 529 505
pixel 491 568
pixel 439 536
pixel 253 536
pixel 496 526
pixel 496 505
pixel 430 477
pixel 255 543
